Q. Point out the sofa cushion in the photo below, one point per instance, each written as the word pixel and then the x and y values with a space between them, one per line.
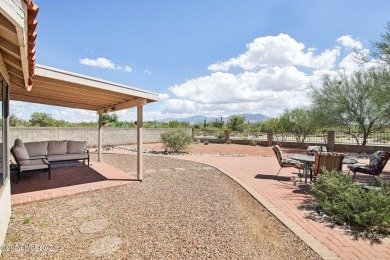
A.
pixel 76 146
pixel 37 157
pixel 20 152
pixel 57 147
pixel 35 165
pixel 66 157
pixel 36 148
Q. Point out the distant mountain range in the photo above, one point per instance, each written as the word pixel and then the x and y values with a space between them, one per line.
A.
pixel 252 118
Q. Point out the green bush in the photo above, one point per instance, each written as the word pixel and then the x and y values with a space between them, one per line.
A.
pixel 221 135
pixel 229 141
pixel 253 143
pixel 206 142
pixel 363 210
pixel 176 140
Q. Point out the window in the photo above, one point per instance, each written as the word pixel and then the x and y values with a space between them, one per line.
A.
pixel 4 154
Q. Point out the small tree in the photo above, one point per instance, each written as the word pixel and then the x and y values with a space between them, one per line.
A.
pixel 381 49
pixel 14 121
pixel 217 123
pixel 106 119
pixel 236 123
pixel 174 124
pixel 277 126
pixel 176 140
pixel 114 118
pixel 110 120
pixel 42 119
pixel 300 122
pixel 354 105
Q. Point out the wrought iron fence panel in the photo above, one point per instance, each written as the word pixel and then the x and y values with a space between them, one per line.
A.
pixel 209 134
pixel 248 135
pixel 379 138
pixel 316 137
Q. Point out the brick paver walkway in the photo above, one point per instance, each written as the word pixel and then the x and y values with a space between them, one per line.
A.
pixel 283 199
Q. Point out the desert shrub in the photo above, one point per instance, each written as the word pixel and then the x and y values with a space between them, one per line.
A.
pixel 221 135
pixel 363 210
pixel 176 140
pixel 253 143
pixel 229 141
pixel 206 142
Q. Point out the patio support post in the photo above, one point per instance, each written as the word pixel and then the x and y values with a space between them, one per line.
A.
pixel 140 165
pixel 100 129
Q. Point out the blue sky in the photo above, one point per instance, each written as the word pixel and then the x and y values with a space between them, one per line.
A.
pixel 214 58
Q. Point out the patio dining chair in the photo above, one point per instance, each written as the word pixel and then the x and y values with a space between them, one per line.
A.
pixel 327 161
pixel 285 162
pixel 375 167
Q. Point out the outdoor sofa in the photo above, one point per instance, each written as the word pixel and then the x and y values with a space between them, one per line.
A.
pixel 38 155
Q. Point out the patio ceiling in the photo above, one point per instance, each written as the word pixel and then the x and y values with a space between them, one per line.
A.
pixel 66 89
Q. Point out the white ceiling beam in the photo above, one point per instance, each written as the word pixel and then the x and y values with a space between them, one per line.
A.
pixel 124 105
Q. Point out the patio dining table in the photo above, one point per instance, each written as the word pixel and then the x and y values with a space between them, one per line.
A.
pixel 308 160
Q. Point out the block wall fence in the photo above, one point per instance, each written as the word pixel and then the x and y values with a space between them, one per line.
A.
pixel 111 136
pixel 122 136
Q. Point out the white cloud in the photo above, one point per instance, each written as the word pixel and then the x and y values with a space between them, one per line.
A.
pixel 104 63
pixel 127 69
pixel 147 72
pixel 281 50
pixel 223 87
pixel 75 115
pixel 271 103
pixel 163 96
pixel 351 62
pixel 99 63
pixel 350 43
pixel 277 71
pixel 268 91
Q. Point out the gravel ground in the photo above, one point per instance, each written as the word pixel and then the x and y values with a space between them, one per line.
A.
pixel 196 213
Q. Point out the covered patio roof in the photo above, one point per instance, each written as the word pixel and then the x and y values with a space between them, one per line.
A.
pixel 66 89
pixel 23 80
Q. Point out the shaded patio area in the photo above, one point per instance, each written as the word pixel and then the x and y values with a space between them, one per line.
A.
pixel 66 179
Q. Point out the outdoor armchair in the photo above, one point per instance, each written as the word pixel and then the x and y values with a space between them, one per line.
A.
pixel 327 161
pixel 285 162
pixel 26 163
pixel 377 162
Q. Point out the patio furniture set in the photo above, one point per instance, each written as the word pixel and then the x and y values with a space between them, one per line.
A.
pixel 317 160
pixel 39 155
